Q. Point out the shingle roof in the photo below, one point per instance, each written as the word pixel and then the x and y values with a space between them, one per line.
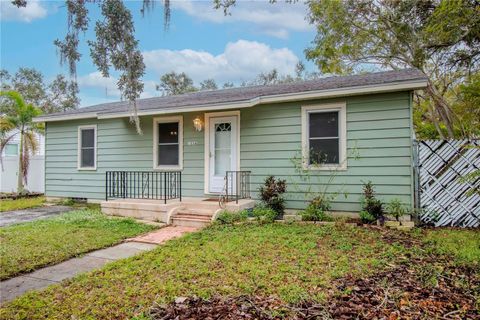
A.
pixel 235 95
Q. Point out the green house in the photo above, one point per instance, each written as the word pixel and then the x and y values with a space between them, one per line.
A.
pixel 326 135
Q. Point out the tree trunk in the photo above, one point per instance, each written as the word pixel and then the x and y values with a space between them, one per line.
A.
pixel 20 187
pixel 442 109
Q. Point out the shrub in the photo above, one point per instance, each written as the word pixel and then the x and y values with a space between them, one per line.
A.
pixel 264 214
pixel 366 217
pixel 370 203
pixel 271 194
pixel 314 213
pixel 396 209
pixel 228 217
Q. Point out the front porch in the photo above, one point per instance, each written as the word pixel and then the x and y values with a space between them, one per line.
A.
pixel 157 196
pixel 188 212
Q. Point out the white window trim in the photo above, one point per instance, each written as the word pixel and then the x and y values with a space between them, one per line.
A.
pixel 156 121
pixel 341 107
pixel 79 147
pixel 206 184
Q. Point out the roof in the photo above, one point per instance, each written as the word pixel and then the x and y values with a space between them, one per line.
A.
pixel 241 97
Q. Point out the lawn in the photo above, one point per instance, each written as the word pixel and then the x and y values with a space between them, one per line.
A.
pixel 28 246
pixel 22 203
pixel 288 261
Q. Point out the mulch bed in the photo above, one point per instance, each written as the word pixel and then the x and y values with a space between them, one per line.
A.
pixel 418 287
pixel 15 196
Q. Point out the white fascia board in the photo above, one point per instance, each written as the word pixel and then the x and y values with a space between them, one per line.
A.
pixel 288 97
pixel 86 115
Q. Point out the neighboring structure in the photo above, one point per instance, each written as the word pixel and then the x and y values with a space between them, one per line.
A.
pixel 362 125
pixel 9 167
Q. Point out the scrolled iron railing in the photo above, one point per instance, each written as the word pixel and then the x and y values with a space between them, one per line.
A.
pixel 157 185
pixel 237 185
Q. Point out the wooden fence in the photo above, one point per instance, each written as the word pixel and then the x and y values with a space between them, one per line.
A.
pixel 444 198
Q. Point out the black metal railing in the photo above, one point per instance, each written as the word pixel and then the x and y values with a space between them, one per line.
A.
pixel 237 185
pixel 143 185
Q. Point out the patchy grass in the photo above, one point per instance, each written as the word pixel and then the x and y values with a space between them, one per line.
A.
pixel 291 262
pixel 23 203
pixel 28 246
pixel 463 245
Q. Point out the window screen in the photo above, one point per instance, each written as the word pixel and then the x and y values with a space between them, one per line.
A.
pixel 323 138
pixel 87 148
pixel 168 144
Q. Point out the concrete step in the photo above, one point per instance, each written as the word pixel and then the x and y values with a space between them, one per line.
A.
pixel 202 205
pixel 196 212
pixel 192 216
pixel 190 222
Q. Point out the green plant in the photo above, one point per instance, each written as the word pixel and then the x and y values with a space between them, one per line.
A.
pixel 315 212
pixel 228 217
pixel 264 214
pixel 366 217
pixel 271 194
pixel 396 209
pixel 370 203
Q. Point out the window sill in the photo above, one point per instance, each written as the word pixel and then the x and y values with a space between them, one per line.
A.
pixel 168 168
pixel 326 168
pixel 87 169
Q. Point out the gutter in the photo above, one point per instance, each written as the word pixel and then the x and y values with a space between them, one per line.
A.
pixel 287 97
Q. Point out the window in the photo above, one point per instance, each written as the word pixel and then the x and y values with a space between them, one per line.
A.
pixel 87 147
pixel 168 143
pixel 11 149
pixel 324 136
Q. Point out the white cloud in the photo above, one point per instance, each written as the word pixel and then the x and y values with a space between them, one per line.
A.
pixel 241 60
pixel 272 19
pixel 34 10
pixel 96 80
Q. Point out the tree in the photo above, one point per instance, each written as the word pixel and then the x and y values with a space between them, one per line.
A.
pixel 19 122
pixel 440 38
pixel 208 84
pixel 59 95
pixel 173 83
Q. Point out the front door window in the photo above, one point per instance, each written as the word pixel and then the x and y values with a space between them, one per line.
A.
pixel 223 148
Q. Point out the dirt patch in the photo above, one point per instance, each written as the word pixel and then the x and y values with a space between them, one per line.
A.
pixel 420 286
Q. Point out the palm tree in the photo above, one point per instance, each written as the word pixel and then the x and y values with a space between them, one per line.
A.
pixel 18 120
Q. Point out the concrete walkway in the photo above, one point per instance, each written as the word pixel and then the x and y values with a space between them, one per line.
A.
pixel 42 278
pixel 18 216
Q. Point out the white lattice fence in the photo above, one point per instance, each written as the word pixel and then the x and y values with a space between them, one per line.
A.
pixel 446 200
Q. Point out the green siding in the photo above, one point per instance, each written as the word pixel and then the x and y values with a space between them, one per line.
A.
pixel 378 131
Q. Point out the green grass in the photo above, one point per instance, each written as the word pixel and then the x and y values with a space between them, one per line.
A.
pixel 463 245
pixel 292 262
pixel 28 246
pixel 289 261
pixel 23 203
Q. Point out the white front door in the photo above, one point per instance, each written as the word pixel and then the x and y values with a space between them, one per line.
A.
pixel 223 150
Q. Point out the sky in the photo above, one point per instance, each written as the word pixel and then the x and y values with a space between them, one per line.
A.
pixel 204 43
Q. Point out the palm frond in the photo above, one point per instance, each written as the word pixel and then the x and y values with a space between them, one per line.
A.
pixel 15 96
pixel 6 125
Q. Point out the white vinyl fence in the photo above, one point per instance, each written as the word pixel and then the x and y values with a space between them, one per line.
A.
pixel 444 199
pixel 9 174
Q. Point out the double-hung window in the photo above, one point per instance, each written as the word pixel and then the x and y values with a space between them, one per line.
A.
pixel 324 136
pixel 87 147
pixel 168 143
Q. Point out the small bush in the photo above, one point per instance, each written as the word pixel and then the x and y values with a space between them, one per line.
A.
pixel 396 209
pixel 366 217
pixel 370 203
pixel 264 214
pixel 227 217
pixel 314 213
pixel 271 194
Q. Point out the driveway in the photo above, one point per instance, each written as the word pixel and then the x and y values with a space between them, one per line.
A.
pixel 17 216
